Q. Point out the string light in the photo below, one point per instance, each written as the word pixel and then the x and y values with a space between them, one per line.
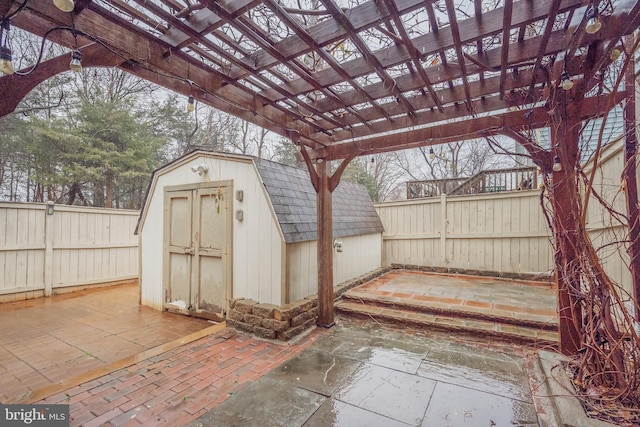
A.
pixel 76 61
pixel 432 154
pixel 593 21
pixel 64 5
pixel 191 104
pixel 565 81
pixel 6 67
pixel 557 166
pixel 615 54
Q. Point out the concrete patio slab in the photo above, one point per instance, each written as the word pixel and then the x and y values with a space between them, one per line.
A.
pixel 251 406
pixel 316 371
pixel 401 378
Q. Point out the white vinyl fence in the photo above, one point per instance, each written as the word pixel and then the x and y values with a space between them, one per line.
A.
pixel 72 246
pixel 502 232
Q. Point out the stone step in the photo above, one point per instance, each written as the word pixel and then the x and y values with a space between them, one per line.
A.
pixel 522 334
pixel 469 310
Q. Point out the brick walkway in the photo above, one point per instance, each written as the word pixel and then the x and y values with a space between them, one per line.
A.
pixel 178 386
pixel 45 341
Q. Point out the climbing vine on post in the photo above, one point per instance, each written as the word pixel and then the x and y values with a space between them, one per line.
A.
pixel 596 326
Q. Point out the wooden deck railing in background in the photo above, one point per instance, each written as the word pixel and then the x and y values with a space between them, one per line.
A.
pixel 488 181
pixel 73 246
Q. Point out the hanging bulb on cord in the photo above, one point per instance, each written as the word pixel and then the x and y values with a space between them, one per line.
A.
pixel 565 81
pixel 615 53
pixel 64 5
pixel 6 67
pixel 76 61
pixel 191 104
pixel 593 21
pixel 557 166
pixel 432 154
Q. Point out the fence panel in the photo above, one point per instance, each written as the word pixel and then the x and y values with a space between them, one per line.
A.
pixel 491 232
pixel 73 246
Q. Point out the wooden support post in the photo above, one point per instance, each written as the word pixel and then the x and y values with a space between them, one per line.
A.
pixel 443 229
pixel 630 179
pixel 325 247
pixel 48 249
pixel 565 136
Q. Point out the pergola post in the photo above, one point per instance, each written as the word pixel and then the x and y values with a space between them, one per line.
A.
pixel 565 135
pixel 325 247
pixel 631 181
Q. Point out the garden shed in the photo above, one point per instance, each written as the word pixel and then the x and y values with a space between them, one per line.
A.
pixel 219 227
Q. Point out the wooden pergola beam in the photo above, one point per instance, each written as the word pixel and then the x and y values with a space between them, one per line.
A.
pixel 533 118
pixel 490 60
pixel 15 87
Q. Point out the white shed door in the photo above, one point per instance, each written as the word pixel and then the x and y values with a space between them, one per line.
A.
pixel 197 251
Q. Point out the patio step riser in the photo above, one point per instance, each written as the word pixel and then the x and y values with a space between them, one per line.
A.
pixel 462 314
pixel 420 321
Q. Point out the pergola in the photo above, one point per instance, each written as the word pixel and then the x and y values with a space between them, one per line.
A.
pixel 350 78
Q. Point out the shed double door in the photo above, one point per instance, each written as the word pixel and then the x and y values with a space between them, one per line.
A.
pixel 197 247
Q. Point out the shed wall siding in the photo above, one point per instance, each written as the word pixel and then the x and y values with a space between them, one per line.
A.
pixel 256 242
pixel 361 254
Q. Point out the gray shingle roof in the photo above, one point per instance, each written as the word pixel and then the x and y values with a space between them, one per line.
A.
pixel 294 202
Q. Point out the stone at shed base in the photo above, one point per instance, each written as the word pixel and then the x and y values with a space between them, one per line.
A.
pixel 289 320
pixel 560 408
pixel 290 333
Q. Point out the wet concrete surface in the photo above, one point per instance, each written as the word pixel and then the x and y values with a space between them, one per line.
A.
pixel 363 374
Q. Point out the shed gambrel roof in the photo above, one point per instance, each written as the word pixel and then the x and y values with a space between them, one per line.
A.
pixel 294 202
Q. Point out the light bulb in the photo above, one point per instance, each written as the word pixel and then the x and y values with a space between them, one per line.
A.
pixel 64 5
pixel 432 154
pixel 557 166
pixel 298 148
pixel 6 67
pixel 593 21
pixel 615 54
pixel 565 81
pixel 191 104
pixel 76 61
